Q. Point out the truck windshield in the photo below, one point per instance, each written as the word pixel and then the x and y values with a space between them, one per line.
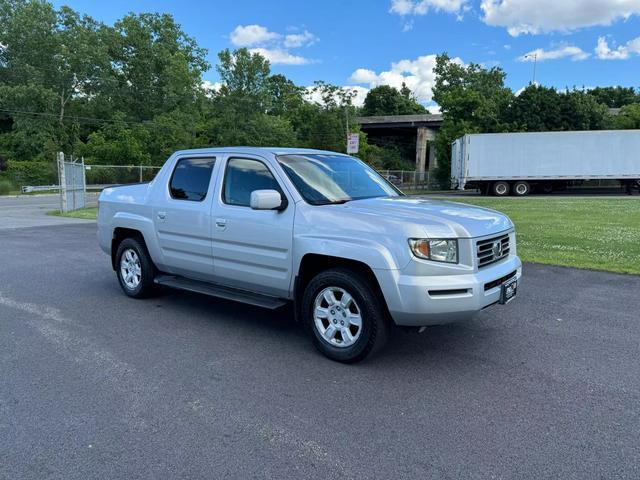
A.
pixel 325 179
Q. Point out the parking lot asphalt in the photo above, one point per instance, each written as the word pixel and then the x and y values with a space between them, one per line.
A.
pixel 97 385
pixel 21 211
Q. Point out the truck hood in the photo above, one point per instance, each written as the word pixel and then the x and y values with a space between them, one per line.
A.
pixel 440 219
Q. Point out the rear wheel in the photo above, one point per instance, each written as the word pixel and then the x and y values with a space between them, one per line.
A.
pixel 344 315
pixel 520 189
pixel 135 269
pixel 500 189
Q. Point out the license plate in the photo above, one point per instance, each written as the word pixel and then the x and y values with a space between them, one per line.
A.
pixel 508 291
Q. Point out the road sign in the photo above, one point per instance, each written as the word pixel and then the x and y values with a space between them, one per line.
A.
pixel 353 142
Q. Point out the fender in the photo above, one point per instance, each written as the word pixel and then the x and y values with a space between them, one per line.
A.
pixel 371 253
pixel 146 227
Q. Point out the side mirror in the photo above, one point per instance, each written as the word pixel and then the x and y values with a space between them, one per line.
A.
pixel 267 200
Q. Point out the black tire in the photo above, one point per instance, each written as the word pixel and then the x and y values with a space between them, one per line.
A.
pixel 500 189
pixel 521 189
pixel 547 188
pixel 145 287
pixel 374 323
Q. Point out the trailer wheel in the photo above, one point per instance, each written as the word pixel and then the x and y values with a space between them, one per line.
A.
pixel 547 187
pixel 500 189
pixel 520 189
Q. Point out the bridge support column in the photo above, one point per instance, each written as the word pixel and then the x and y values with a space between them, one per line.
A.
pixel 433 160
pixel 424 135
pixel 421 149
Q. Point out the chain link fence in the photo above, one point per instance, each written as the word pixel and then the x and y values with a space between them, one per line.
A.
pixel 108 175
pixel 72 182
pixel 80 184
pixel 410 179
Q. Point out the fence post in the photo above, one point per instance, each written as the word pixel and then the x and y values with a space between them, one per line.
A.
pixel 140 173
pixel 62 182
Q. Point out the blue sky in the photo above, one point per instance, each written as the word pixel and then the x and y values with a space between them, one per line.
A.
pixel 365 43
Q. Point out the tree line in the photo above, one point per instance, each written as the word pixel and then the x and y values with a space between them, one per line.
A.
pixel 132 93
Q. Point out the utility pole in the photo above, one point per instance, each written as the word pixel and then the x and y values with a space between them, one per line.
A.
pixel 346 116
pixel 535 61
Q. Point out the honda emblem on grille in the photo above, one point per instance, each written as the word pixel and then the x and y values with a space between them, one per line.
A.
pixel 497 249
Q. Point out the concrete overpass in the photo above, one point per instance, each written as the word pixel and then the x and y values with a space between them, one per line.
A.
pixel 422 126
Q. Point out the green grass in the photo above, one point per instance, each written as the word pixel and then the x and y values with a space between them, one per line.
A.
pixel 593 233
pixel 90 213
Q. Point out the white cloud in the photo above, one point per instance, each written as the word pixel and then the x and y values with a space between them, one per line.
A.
pixel 422 7
pixel 295 40
pixel 210 87
pixel 416 74
pixel 272 45
pixel 279 56
pixel 250 35
pixel 315 96
pixel 539 16
pixel 622 52
pixel 567 51
pixel 522 89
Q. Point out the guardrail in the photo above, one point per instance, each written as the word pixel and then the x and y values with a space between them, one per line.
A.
pixel 39 188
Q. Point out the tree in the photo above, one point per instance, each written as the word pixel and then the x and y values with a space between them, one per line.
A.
pixel 29 136
pixel 285 97
pixel 628 118
pixel 386 100
pixel 60 52
pixel 156 66
pixel 536 109
pixel 117 143
pixel 581 111
pixel 245 81
pixel 472 99
pixel 615 97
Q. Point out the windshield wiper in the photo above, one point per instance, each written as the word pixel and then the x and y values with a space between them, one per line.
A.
pixel 335 202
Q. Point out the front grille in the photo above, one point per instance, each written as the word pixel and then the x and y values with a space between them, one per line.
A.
pixel 491 250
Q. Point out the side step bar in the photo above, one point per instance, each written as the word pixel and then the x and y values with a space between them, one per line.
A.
pixel 213 290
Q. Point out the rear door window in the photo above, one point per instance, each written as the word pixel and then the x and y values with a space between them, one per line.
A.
pixel 191 178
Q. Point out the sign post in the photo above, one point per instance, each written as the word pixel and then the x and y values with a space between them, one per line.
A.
pixel 353 142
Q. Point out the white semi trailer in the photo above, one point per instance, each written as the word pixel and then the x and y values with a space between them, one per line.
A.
pixel 504 163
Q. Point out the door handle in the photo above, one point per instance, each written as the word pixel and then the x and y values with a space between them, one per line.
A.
pixel 221 222
pixel 162 215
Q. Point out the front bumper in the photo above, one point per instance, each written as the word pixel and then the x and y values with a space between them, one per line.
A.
pixel 434 300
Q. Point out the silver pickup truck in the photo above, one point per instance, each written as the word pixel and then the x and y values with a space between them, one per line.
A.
pixel 318 229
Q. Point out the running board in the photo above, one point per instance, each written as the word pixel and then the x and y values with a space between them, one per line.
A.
pixel 213 290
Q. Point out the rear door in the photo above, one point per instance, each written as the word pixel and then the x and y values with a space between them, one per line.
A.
pixel 183 218
pixel 252 248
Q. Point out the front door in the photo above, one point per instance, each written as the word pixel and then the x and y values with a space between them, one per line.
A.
pixel 183 221
pixel 252 248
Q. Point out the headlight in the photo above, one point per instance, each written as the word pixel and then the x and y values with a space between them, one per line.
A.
pixel 436 250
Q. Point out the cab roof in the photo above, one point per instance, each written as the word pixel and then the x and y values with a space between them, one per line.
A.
pixel 259 151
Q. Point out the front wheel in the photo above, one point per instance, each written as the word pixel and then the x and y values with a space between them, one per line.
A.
pixel 345 317
pixel 500 189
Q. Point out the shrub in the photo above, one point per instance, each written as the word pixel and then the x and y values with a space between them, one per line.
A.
pixel 6 187
pixel 31 173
